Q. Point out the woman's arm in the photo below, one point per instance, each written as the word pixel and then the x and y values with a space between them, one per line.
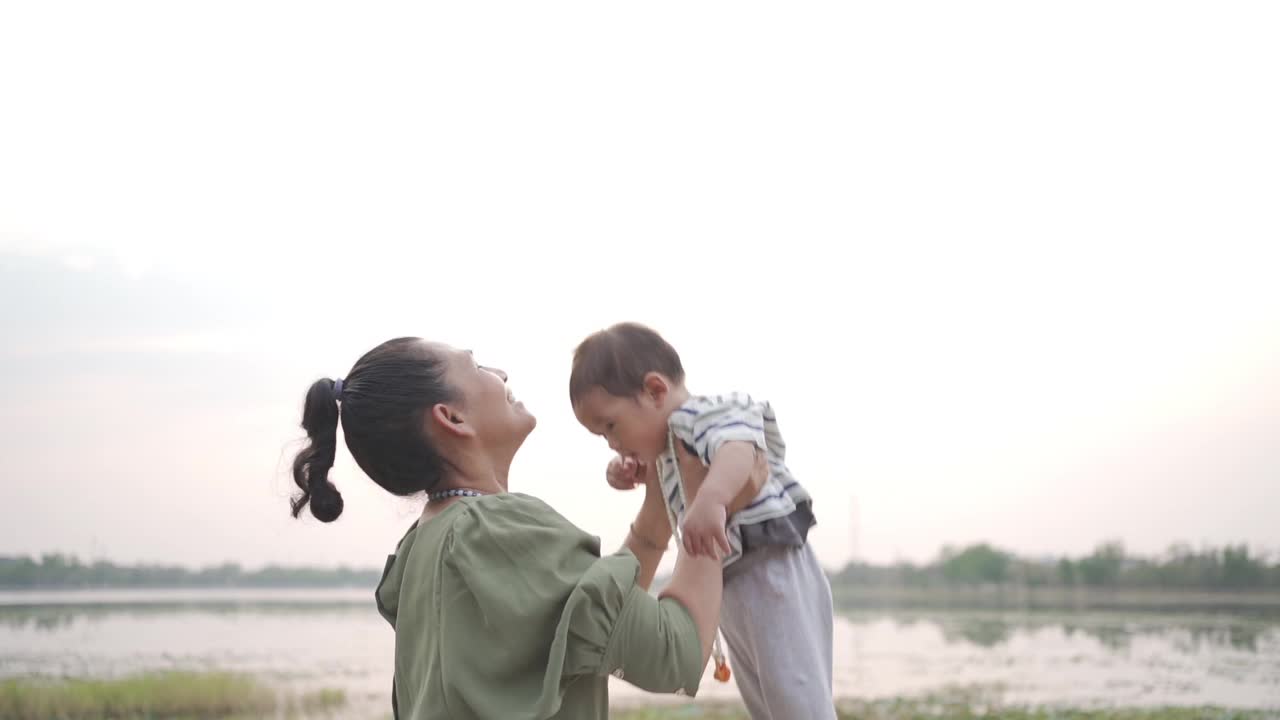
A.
pixel 697 585
pixel 650 533
pixel 697 582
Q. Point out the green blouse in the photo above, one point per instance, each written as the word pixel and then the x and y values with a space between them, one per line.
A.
pixel 504 610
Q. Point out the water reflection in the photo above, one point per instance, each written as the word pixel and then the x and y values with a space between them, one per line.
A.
pixel 1188 634
pixel 978 631
pixel 57 611
pixel 58 618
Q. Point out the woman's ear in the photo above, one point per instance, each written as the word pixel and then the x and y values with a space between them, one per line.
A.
pixel 448 419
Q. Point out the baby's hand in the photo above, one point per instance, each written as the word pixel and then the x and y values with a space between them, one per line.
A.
pixel 704 532
pixel 626 473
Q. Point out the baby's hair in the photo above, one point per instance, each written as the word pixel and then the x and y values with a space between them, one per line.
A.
pixel 617 359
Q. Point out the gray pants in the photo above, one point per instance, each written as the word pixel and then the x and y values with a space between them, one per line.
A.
pixel 777 621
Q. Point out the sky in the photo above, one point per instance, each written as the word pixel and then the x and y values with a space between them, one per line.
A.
pixel 1005 270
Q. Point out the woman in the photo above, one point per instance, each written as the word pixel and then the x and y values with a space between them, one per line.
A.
pixel 502 609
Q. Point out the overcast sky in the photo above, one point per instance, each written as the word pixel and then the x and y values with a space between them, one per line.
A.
pixel 1006 270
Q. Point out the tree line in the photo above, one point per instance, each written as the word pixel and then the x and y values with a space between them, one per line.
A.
pixel 57 571
pixel 1233 567
pixel 1181 567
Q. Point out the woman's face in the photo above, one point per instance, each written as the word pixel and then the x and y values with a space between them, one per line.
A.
pixel 499 420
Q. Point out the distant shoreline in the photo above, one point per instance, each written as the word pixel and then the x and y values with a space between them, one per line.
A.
pixel 1015 597
pixel 1233 578
pixel 1260 603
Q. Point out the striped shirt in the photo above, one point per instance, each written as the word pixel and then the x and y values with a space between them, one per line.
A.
pixel 704 424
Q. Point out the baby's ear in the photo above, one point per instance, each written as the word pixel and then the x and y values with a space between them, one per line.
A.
pixel 655 387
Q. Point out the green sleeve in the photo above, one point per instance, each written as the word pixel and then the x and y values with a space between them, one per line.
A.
pixel 529 605
pixel 613 626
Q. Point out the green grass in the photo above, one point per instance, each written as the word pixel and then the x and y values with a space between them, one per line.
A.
pixel 152 696
pixel 229 696
pixel 321 701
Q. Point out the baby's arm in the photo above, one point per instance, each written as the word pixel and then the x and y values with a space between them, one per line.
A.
pixel 728 435
pixel 728 483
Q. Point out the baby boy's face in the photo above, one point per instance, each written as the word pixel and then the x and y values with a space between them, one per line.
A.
pixel 633 426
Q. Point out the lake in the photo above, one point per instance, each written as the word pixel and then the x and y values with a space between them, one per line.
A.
pixel 309 638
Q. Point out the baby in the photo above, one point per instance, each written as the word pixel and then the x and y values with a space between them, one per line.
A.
pixel 627 385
